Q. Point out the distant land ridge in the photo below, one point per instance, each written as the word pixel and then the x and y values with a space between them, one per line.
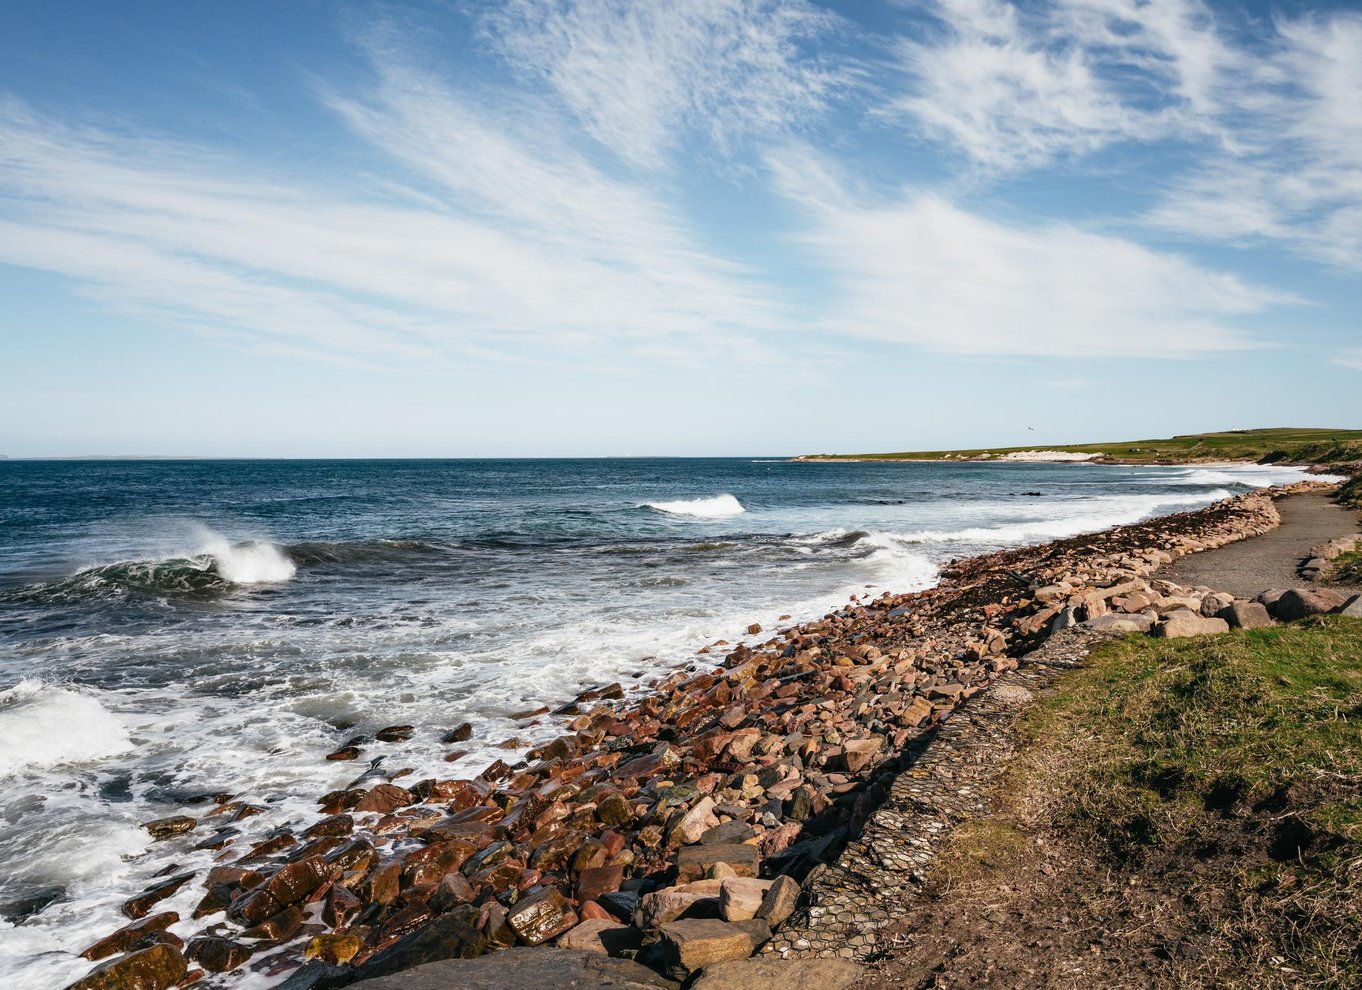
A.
pixel 1276 445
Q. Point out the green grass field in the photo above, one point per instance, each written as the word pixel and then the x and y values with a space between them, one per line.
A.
pixel 1279 445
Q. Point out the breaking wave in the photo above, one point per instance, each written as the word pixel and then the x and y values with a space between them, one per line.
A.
pixel 718 507
pixel 45 726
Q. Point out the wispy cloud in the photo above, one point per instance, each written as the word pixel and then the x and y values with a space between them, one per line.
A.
pixel 512 236
pixel 1268 117
pixel 918 269
pixel 643 74
pixel 1351 358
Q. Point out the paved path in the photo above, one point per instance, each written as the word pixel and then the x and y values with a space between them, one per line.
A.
pixel 1269 561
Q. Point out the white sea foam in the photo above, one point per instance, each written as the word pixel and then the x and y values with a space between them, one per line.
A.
pixel 253 562
pixel 45 726
pixel 718 507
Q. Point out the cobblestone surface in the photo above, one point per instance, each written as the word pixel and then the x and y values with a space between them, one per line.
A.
pixel 879 874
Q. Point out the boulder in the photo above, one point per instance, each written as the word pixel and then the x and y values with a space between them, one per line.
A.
pixel 129 935
pixel 780 901
pixel 141 905
pixel 1301 602
pixel 451 936
pixel 155 968
pixel 541 916
pixel 1213 603
pixel 1352 607
pixel 217 955
pixel 771 973
pixel 693 861
pixel 164 828
pixel 521 969
pixel 741 897
pixel 670 903
pixel 695 822
pixel 694 943
pixel 1243 614
pixel 1181 623
pixel 1136 622
pixel 606 938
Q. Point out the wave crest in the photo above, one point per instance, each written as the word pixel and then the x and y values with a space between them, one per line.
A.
pixel 718 507
pixel 45 726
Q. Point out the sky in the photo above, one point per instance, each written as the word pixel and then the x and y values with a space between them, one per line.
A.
pixel 638 227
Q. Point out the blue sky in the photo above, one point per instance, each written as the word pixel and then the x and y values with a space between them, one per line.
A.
pixel 582 227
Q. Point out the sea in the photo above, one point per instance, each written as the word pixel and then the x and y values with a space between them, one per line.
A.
pixel 171 630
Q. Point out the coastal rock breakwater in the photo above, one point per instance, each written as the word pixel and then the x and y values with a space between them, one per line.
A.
pixel 680 829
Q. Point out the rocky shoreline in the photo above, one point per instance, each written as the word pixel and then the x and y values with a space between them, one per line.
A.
pixel 669 837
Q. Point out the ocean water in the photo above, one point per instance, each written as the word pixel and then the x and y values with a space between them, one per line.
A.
pixel 170 630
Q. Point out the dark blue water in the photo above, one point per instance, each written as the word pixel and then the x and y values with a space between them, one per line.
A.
pixel 171 628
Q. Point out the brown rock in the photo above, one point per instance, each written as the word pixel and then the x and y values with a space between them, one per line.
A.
pixel 604 937
pixel 692 944
pixel 693 861
pixel 333 949
pixel 385 799
pixel 770 973
pixel 164 828
pixel 217 955
pixel 460 734
pixel 141 905
pixel 394 733
pixel 451 891
pixel 1301 602
pixel 780 901
pixel 741 897
pixel 278 927
pixel 591 884
pixel 541 916
pixel 1245 615
pixel 129 935
pixel 156 968
pixel 1182 622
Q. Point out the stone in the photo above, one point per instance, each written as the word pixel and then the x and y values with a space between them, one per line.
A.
pixel 1011 694
pixel 1116 622
pixel 1182 623
pixel 541 916
pixel 591 884
pixel 1270 597
pixel 165 828
pixel 333 949
pixel 691 944
pixel 780 901
pixel 520 969
pixel 859 753
pixel 385 798
pixel 696 821
pixel 141 905
pixel 670 903
pixel 451 891
pixel 1301 602
pixel 1352 607
pixel 771 973
pixel 217 955
pixel 741 897
pixel 451 936
pixel 693 861
pixel 1214 603
pixel 1241 614
pixel 603 937
pixel 129 935
pixel 462 733
pixel 394 733
pixel 155 968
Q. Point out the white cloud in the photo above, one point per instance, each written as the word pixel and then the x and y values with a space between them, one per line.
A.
pixel 519 237
pixel 642 73
pixel 1351 358
pixel 920 270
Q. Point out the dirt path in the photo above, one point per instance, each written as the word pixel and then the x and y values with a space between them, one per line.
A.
pixel 1269 561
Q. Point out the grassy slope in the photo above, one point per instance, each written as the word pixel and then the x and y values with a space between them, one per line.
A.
pixel 1225 771
pixel 1281 444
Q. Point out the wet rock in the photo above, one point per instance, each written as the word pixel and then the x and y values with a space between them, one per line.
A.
pixel 780 901
pixel 692 944
pixel 384 799
pixel 741 897
pixel 165 828
pixel 278 927
pixel 769 973
pixel 317 975
pixel 217 955
pixel 451 936
pixel 340 906
pixel 522 969
pixel 1301 602
pixel 141 905
pixel 591 884
pixel 451 891
pixel 394 733
pixel 541 916
pixel 129 935
pixel 334 825
pixel 155 968
pixel 462 733
pixel 333 949
pixel 344 753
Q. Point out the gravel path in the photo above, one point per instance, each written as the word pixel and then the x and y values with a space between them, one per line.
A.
pixel 1269 561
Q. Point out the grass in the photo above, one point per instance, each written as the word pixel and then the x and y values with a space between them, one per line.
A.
pixel 1284 444
pixel 1225 772
pixel 1347 568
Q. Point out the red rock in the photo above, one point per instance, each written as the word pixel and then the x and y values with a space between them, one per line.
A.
pixel 384 798
pixel 277 927
pixel 541 916
pixel 345 753
pixel 141 905
pixel 394 733
pixel 591 883
pixel 217 955
pixel 165 828
pixel 130 935
pixel 156 968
